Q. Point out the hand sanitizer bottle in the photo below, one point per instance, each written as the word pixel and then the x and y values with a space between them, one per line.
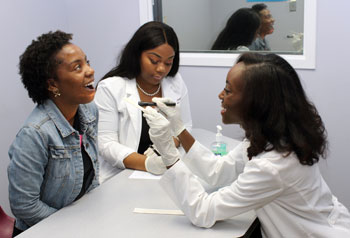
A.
pixel 218 147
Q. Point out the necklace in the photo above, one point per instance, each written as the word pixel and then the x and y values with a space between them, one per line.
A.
pixel 148 94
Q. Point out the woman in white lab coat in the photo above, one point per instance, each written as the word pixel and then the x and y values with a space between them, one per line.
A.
pixel 273 171
pixel 148 67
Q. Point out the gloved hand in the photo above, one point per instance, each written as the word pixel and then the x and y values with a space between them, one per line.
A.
pixel 161 136
pixel 154 163
pixel 173 114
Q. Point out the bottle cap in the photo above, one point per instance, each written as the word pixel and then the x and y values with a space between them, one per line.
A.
pixel 218 134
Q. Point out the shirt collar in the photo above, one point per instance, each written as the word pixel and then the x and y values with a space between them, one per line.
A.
pixel 63 126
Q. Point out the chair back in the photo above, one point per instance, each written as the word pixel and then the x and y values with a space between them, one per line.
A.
pixel 6 224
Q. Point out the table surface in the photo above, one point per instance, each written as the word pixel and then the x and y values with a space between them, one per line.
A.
pixel 107 211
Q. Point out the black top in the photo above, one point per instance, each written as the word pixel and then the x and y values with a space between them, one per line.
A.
pixel 89 172
pixel 145 141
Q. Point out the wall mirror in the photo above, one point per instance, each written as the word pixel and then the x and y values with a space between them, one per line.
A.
pixel 197 23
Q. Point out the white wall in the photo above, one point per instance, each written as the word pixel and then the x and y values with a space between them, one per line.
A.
pixel 101 28
pixel 286 22
pixel 101 32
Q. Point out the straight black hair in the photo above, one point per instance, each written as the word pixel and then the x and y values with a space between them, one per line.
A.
pixel 240 30
pixel 148 36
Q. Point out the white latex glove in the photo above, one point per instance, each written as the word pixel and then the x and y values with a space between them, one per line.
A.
pixel 173 114
pixel 154 163
pixel 161 136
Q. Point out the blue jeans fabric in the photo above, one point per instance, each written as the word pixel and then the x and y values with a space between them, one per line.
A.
pixel 46 165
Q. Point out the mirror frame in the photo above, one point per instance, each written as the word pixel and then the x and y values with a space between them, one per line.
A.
pixel 307 60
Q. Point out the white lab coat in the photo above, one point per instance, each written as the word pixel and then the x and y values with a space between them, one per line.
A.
pixel 290 199
pixel 119 126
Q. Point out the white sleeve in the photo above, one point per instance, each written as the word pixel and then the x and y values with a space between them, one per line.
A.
pixel 185 104
pixel 258 185
pixel 108 127
pixel 215 170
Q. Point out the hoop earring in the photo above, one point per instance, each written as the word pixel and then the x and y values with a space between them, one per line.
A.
pixel 56 93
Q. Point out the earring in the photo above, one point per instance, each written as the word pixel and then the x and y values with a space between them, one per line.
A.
pixel 56 93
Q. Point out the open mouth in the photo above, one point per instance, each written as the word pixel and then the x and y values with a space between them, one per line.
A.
pixel 223 110
pixel 90 85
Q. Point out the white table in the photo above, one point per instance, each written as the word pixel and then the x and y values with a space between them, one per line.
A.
pixel 107 211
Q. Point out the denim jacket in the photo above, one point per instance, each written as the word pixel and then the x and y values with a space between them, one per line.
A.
pixel 46 168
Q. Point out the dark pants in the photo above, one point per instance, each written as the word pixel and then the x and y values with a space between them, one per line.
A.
pixel 254 230
pixel 16 231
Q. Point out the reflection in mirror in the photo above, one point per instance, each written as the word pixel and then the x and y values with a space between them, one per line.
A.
pixel 239 32
pixel 199 22
pixel 266 27
pixel 300 50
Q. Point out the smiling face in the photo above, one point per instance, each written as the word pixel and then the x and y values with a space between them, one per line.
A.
pixel 267 22
pixel 231 96
pixel 155 65
pixel 74 77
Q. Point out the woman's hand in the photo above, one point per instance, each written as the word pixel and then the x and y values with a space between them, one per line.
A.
pixel 173 114
pixel 154 163
pixel 161 135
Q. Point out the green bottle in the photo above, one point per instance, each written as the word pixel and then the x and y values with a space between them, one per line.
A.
pixel 218 147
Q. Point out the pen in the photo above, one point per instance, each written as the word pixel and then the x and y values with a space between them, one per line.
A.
pixel 155 151
pixel 133 103
pixel 170 104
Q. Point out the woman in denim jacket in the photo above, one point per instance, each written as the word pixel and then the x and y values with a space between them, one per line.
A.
pixel 54 155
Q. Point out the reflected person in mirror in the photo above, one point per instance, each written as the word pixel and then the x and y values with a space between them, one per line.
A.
pixel 240 31
pixel 54 155
pixel 273 171
pixel 147 68
pixel 266 28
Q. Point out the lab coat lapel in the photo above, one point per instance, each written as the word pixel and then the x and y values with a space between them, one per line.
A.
pixel 134 113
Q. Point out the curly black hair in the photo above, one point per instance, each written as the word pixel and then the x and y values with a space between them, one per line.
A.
pixel 276 112
pixel 38 63
pixel 259 7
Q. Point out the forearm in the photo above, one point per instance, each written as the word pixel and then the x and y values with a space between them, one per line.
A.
pixel 177 142
pixel 186 140
pixel 135 161
pixel 24 194
pixel 257 186
pixel 29 213
pixel 215 170
pixel 112 151
pixel 177 182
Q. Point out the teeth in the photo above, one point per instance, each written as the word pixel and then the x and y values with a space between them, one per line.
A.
pixel 89 84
